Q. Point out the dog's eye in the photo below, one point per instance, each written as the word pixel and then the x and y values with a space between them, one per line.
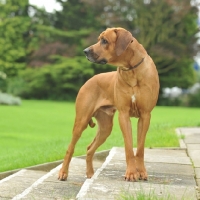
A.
pixel 103 41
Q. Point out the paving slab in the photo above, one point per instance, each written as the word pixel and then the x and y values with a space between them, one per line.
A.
pixel 195 156
pixel 197 172
pixel 176 156
pixel 17 183
pixel 192 139
pixel 156 152
pixel 198 193
pixel 189 130
pixel 170 168
pixel 193 153
pixel 193 146
pixel 198 182
pixel 196 162
pixel 167 177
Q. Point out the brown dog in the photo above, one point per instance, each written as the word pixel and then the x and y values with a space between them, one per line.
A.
pixel 132 90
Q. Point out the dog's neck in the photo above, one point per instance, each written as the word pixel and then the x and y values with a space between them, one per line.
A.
pixel 132 67
pixel 131 72
pixel 136 53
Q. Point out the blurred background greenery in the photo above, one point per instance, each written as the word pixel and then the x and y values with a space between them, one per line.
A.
pixel 41 53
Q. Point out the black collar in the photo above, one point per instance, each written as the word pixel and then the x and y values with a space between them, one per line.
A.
pixel 133 67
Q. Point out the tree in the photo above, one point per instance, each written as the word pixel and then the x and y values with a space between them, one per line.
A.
pixel 166 29
pixel 60 33
pixel 15 33
pixel 172 38
pixel 75 15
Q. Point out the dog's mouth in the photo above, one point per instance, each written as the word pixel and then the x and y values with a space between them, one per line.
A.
pixel 102 61
pixel 90 59
pixel 93 57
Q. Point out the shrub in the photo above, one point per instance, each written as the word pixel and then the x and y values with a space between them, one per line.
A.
pixel 3 82
pixel 59 81
pixel 166 101
pixel 7 99
pixel 194 99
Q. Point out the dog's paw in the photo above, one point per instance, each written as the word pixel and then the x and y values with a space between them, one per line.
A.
pixel 131 175
pixel 141 170
pixel 90 173
pixel 142 175
pixel 62 176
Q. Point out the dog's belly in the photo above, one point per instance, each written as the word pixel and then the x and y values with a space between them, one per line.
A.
pixel 109 110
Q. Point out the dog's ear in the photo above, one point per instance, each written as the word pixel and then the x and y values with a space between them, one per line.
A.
pixel 124 38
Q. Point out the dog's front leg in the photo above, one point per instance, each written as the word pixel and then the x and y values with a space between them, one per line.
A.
pixel 143 125
pixel 125 125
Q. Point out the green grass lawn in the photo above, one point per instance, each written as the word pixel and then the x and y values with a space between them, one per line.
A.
pixel 40 131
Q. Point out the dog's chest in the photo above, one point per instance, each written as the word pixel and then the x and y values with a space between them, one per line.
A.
pixel 133 98
pixel 134 110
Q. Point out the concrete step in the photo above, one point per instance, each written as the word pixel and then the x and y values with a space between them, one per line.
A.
pixel 171 176
pixel 18 182
pixel 34 184
pixel 48 187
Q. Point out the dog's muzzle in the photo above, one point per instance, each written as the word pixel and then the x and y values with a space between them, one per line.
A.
pixel 93 57
pixel 87 51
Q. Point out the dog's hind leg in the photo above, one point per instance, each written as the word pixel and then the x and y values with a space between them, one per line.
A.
pixel 85 109
pixel 105 124
pixel 79 126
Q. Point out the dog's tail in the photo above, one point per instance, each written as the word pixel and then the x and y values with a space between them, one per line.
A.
pixel 91 123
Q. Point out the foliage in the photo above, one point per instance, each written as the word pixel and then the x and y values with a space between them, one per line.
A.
pixel 7 99
pixel 56 42
pixel 54 35
pixel 163 101
pixel 60 80
pixel 188 99
pixel 14 26
pixel 24 30
pixel 3 83
pixel 75 15
pixel 194 99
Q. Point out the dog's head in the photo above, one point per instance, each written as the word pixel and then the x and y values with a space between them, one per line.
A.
pixel 111 44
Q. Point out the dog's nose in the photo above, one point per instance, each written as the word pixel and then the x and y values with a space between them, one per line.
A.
pixel 86 51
